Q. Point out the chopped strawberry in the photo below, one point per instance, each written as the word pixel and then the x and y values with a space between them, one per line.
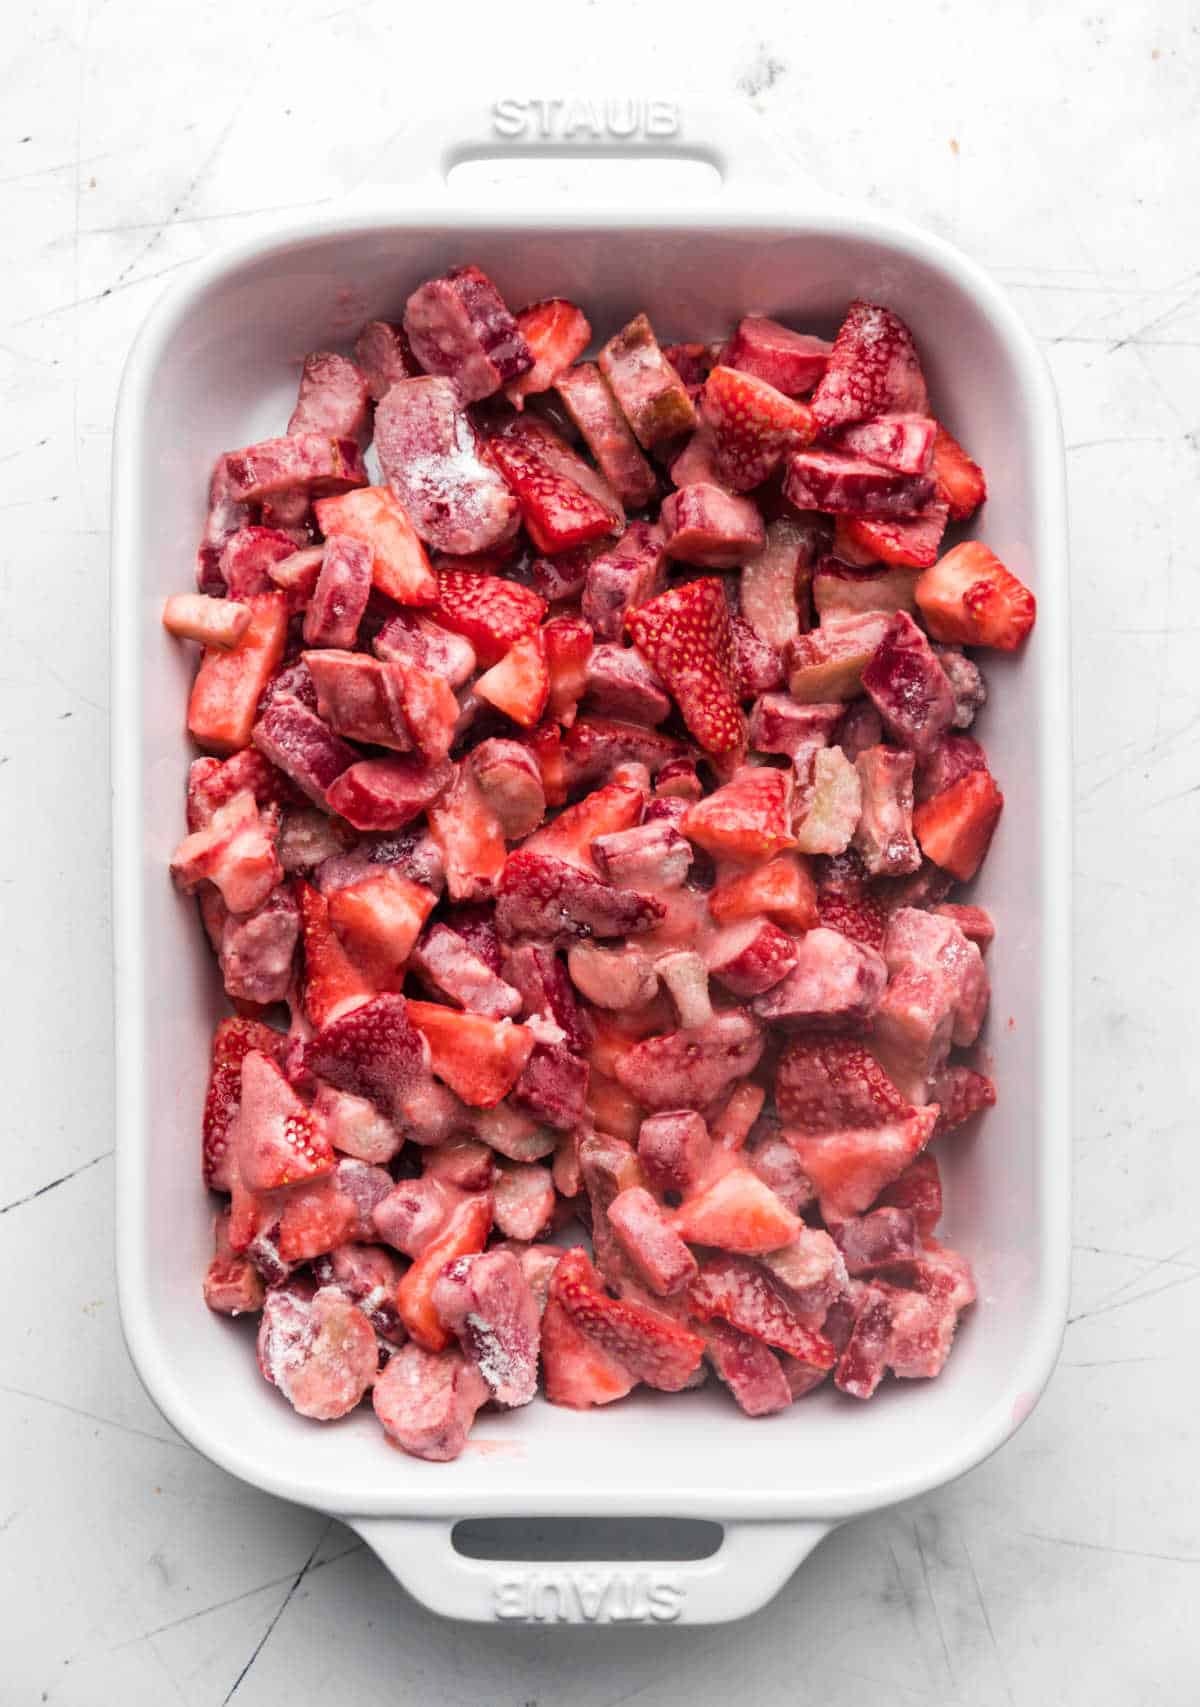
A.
pixel 378 919
pixel 873 370
pixel 919 1190
pixel 752 425
pixel 491 613
pixel 782 889
pixel 556 333
pixel 909 688
pixel 850 1167
pixel 230 680
pixel 564 503
pixel 910 542
pixel 684 634
pixel 470 836
pixel 232 1042
pixel 961 1093
pixel 333 983
pixel 235 851
pixel 863 1362
pixel 568 642
pixel 749 957
pixel 374 1051
pixel 861 918
pixel 427 1402
pixel 835 985
pixel 546 745
pixel 480 1059
pixel 595 747
pixel 690 1069
pixel 278 1142
pixel 975 923
pixel 752 1372
pixel 737 1212
pixel 733 1125
pixel 519 684
pixel 466 1164
pixel 414 1213
pixel 969 597
pixel 604 812
pixel 577 1370
pixel 654 1348
pixel 955 827
pixel 960 481
pixel 545 896
pixel 742 1294
pixel 822 1085
pixel 465 1232
pixel 387 794
pixel 748 819
pixel 793 362
pixel 399 564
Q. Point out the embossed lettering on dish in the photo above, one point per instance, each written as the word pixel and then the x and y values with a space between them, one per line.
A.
pixel 570 119
pixel 588 1597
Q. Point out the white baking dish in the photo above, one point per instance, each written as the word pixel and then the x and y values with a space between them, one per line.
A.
pixel 216 366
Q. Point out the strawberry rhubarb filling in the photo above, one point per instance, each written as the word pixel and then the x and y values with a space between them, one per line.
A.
pixel 584 781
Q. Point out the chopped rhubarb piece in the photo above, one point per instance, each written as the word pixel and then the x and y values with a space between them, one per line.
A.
pixel 710 527
pixel 811 1271
pixel 594 747
pixel 297 575
pixel 850 1167
pixel 546 746
pixel 835 483
pixel 903 442
pixel 340 596
pixel 685 636
pixel 431 459
pixel 690 1069
pixel 841 589
pixel 553 1087
pixel 315 462
pixel 955 827
pixel 969 597
pixel 232 1042
pixel 742 1294
pixel 835 985
pixel 464 1234
pixel 577 1370
pixel 952 759
pixel 355 1127
pixel 783 889
pixel 938 1273
pixel 793 362
pixel 863 1363
pixel 828 801
pixel 976 923
pixel 257 949
pixel 752 425
pixel 921 941
pixel 413 639
pixel 742 1107
pixel 564 502
pixel 512 1134
pixel 696 463
pixel 491 613
pixel 750 957
pixel 595 411
pixel 540 976
pixel 622 578
pixel 520 683
pixel 334 398
pixel 862 727
pixel 367 1277
pixel 612 1109
pixel 673 1148
pixel 650 856
pixel 621 684
pixel 772 1158
pixel 556 334
pixel 467 1164
pixel 909 687
pixel 303 746
pixel 827 664
pixel 910 542
pixel 959 480
pixel 657 1350
pixel 693 363
pixel 427 1401
pixel 446 962
pixel 748 819
pixel 399 565
pixel 213 622
pixel 824 1084
pixel 748 1368
pixel 966 679
pixel 225 516
pixel 651 394
pixel 568 644
pixel 919 1190
pixel 321 1352
pixel 414 1213
pixel 373 1051
pixel 873 370
pixel 383 355
pixel 480 1059
pixel 213 783
pixel 884 837
pixel 544 896
pixel 774 581
pixel 523 1200
pixel 470 836
pixel 235 851
pixel 386 794
pixel 458 325
pixel 278 1142
pixel 378 919
pixel 229 682
pixel 232 1284
pixel 737 1212
pixel 685 976
pixel 867 1241
pixel 486 1302
pixel 650 1242
pixel 510 782
pixel 757 667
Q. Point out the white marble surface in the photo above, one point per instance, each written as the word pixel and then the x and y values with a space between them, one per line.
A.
pixel 1058 145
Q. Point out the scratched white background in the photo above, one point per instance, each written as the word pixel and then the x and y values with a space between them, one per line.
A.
pixel 1056 143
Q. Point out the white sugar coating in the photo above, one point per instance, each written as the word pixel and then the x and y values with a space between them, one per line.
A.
pixel 286 1338
pixel 492 1358
pixel 544 1029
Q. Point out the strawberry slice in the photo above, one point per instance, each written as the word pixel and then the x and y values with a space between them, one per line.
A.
pixel 225 694
pixel 961 1093
pixel 959 480
pixel 576 1370
pixel 685 635
pixel 850 1167
pixel 748 1368
pixel 910 542
pixel 919 1190
pixel 661 1352
pixel 465 1233
pixel 543 896
pixel 378 919
pixel 783 889
pixel 568 647
pixel 480 1059
pixel 752 426
pixel 232 1042
pixel 971 599
pixel 604 812
pixel 748 819
pixel 861 918
pixel 557 333
pixel 873 370
pixel 955 828
pixel 824 1084
pixel 545 743
pixel 742 1294
pixel 399 563
pixel 278 1142
pixel 519 685
pixel 564 502
pixel 863 1362
pixel 470 836
pixel 333 983
pixel 373 1051
pixel 491 613
pixel 739 1213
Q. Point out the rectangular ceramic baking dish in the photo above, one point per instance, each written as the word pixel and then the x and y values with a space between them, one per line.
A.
pixel 216 366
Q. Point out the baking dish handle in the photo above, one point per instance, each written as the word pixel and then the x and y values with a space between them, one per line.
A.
pixel 749 1568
